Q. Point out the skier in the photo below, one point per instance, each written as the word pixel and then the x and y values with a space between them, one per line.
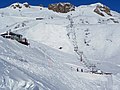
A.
pixel 81 70
pixel 77 70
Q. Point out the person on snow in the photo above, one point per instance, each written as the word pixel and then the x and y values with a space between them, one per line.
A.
pixel 81 70
pixel 77 70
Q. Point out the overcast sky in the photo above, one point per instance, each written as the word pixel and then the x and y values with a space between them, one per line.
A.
pixel 113 4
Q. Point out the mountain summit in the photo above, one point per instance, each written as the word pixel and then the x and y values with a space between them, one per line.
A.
pixel 62 7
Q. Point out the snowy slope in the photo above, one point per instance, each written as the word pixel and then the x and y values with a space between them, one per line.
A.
pixel 50 62
pixel 25 70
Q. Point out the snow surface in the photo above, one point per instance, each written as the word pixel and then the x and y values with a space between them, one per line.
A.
pixel 50 62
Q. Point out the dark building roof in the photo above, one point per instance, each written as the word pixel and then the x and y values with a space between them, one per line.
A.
pixel 14 36
pixel 11 33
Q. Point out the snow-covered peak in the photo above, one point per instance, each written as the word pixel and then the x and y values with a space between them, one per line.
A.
pixel 20 5
pixel 95 4
pixel 25 3
pixel 16 4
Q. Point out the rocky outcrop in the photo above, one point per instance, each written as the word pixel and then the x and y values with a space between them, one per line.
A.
pixel 19 6
pixel 26 5
pixel 16 5
pixel 102 9
pixel 62 7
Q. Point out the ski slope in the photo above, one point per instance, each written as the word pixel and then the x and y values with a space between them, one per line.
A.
pixel 50 62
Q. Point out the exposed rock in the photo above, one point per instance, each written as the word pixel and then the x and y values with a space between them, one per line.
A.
pixel 16 5
pixel 100 9
pixel 112 19
pixel 62 7
pixel 26 5
pixel 19 6
pixel 41 6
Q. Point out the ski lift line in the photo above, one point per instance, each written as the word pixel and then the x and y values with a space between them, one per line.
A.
pixel 72 35
pixel 74 39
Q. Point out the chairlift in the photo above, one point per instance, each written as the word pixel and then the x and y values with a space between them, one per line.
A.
pixel 75 48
